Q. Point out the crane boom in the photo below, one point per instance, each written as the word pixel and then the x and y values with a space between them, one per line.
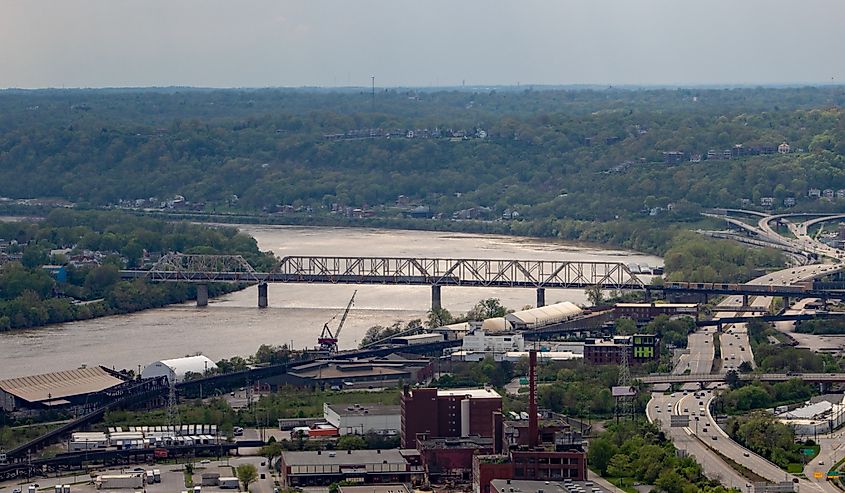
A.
pixel 345 314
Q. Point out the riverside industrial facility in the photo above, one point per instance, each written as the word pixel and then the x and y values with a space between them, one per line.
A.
pixel 447 434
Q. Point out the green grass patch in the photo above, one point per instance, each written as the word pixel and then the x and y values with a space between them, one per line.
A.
pixel 625 484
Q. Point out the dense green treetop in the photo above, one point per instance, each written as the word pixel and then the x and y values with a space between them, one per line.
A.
pixel 268 148
pixel 30 296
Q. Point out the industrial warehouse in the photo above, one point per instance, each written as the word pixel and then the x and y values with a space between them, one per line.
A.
pixel 444 434
pixel 83 387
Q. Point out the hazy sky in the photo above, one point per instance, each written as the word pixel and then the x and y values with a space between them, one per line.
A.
pixel 259 43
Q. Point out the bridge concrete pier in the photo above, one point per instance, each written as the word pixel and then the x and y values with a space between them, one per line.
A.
pixel 541 297
pixel 202 295
pixel 262 295
pixel 745 300
pixel 435 298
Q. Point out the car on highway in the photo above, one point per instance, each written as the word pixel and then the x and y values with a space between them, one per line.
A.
pixel 714 437
pixel 745 454
pixel 821 462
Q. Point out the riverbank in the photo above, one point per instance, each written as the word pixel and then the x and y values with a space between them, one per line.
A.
pixel 651 235
pixel 65 267
pixel 233 325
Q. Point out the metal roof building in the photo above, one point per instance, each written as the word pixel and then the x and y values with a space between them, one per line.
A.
pixel 60 388
pixel 544 315
pixel 355 466
pixel 178 368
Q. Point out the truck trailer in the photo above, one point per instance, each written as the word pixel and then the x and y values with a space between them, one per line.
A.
pixel 228 483
pixel 120 481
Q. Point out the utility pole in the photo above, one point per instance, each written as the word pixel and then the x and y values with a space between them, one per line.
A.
pixel 373 80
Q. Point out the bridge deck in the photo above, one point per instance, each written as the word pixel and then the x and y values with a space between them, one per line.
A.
pixel 394 270
pixel 763 377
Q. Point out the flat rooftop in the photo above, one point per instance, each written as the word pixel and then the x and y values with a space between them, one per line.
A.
pixel 374 488
pixel 527 486
pixel 472 393
pixel 656 305
pixel 60 384
pixel 462 442
pixel 365 409
pixel 343 457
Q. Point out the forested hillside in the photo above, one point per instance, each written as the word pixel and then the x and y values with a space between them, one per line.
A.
pixel 583 164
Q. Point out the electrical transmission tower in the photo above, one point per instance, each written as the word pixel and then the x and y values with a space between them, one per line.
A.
pixel 625 402
pixel 172 408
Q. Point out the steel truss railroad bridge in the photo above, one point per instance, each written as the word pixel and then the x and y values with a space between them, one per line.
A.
pixel 434 272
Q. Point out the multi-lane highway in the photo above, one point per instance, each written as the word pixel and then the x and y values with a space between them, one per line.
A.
pixel 703 437
pixel 660 408
pixel 704 434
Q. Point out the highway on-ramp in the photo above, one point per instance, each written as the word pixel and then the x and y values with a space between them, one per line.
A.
pixel 735 348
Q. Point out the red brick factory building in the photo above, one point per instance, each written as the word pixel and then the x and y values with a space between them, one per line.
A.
pixel 462 434
pixel 528 457
pixel 447 413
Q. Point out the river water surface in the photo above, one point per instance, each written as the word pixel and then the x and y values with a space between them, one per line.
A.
pixel 233 325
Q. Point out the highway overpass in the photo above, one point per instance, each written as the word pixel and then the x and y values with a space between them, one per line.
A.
pixel 656 378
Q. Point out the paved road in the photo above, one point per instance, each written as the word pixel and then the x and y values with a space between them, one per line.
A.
pixel 703 436
pixel 831 343
pixel 660 407
pixel 830 452
pixel 735 349
pixel 800 232
pixel 700 360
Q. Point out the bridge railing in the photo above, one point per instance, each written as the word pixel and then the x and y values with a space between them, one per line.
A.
pixel 395 270
pixel 458 272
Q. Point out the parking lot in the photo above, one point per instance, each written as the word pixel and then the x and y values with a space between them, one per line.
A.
pixel 172 478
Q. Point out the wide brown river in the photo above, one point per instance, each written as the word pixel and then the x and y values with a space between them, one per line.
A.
pixel 233 325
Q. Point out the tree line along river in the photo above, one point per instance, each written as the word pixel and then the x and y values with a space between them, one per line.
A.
pixel 233 325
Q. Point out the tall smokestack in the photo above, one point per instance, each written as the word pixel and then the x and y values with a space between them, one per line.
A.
pixel 533 432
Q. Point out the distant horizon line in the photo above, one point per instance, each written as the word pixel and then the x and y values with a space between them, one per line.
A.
pixel 518 86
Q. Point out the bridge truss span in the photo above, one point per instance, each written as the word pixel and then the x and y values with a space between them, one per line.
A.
pixel 201 269
pixel 455 272
pixel 394 270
